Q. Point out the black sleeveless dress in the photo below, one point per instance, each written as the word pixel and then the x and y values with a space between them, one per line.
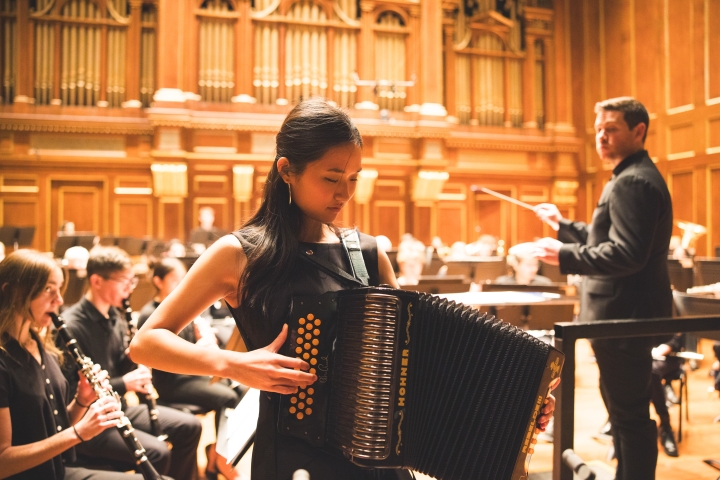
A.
pixel 276 456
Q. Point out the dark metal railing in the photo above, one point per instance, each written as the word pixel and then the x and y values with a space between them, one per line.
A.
pixel 566 334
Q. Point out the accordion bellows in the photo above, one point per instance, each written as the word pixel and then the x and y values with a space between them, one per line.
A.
pixel 418 382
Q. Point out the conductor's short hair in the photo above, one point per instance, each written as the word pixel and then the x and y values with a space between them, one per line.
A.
pixel 633 111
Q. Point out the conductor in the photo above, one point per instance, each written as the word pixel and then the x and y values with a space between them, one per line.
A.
pixel 623 253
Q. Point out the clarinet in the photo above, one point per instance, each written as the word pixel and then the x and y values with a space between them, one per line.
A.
pixel 127 432
pixel 152 395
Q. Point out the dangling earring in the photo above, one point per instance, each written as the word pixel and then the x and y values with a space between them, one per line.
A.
pixel 289 194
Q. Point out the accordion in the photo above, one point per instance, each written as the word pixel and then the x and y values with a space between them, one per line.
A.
pixel 410 380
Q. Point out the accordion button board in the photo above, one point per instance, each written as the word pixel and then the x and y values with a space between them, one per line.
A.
pixel 409 380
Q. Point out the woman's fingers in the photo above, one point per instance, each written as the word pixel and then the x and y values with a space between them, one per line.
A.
pixel 279 340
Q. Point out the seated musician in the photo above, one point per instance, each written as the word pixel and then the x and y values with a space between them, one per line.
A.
pixel 190 389
pixel 40 423
pixel 664 370
pixel 101 333
pixel 257 270
pixel 524 267
pixel 410 260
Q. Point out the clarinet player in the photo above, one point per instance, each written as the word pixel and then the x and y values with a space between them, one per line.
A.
pixel 40 422
pixel 100 331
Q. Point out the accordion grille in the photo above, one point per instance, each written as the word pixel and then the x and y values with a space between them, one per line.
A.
pixel 363 377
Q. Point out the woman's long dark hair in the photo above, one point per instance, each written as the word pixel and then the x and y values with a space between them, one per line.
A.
pixel 311 129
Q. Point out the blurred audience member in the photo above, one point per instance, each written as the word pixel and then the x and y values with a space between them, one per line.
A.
pixel 175 249
pixel 207 233
pixel 524 267
pixel 383 243
pixel 485 246
pixel 76 258
pixel 457 251
pixel 67 228
pixel 410 259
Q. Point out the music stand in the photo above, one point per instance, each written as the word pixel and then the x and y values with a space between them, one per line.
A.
pixel 8 235
pixel 85 240
pixel 62 244
pixel 25 236
pixel 132 246
pixel 108 241
pixel 241 426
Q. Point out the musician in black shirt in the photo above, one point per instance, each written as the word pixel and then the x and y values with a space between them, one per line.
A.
pixel 101 333
pixel 40 422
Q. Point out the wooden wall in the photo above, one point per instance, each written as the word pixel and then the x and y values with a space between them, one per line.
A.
pixel 666 53
pixel 97 165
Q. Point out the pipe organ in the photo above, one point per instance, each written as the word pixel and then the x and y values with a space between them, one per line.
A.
pixel 216 78
pixel 390 63
pixel 148 46
pixel 489 64
pixel 8 51
pixel 539 83
pixel 304 51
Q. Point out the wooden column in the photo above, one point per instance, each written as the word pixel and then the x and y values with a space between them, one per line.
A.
pixel 413 55
pixel 244 59
pixel 506 92
pixel 25 52
pixel 102 102
pixel 551 90
pixel 57 62
pixel 169 35
pixel 366 52
pixel 330 65
pixel 431 62
pixel 450 100
pixel 561 65
pixel 133 57
pixel 282 58
pixel 529 120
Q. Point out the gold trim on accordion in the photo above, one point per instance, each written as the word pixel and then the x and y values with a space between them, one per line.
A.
pixel 409 380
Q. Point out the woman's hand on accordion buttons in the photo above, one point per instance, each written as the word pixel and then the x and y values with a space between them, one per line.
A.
pixel 546 413
pixel 269 371
pixel 103 414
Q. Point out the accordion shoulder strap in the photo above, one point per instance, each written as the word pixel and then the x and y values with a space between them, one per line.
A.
pixel 351 240
pixel 356 261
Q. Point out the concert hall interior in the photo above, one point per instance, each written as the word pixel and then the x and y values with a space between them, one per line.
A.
pixel 150 125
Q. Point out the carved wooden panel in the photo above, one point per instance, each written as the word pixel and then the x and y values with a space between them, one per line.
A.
pixel 133 217
pixel 388 218
pixel 682 189
pixel 423 220
pixel 80 202
pixel 714 132
pixel 712 43
pixel 452 222
pixel 618 47
pixel 171 214
pixel 496 217
pixel 20 211
pixel 648 61
pixel 679 53
pixel 713 197
pixel 680 141
pixel 219 205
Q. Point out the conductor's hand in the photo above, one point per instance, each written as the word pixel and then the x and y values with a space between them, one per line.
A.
pixel 102 415
pixel 546 413
pixel 549 213
pixel 548 250
pixel 269 371
pixel 138 380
